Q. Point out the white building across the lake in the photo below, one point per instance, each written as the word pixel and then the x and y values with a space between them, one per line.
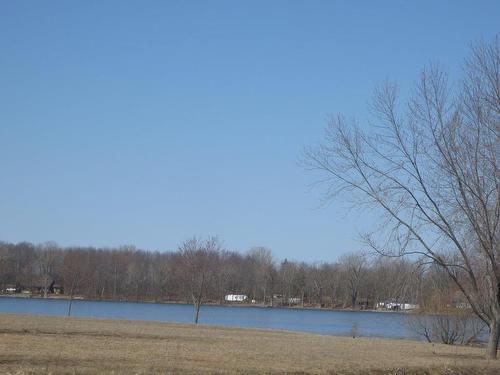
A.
pixel 397 306
pixel 235 297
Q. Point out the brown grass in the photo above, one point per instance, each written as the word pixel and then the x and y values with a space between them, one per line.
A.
pixel 33 344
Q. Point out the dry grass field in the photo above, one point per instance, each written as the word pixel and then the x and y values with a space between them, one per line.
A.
pixel 54 345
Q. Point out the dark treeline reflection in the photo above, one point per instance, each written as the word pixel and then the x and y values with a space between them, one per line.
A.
pixel 126 273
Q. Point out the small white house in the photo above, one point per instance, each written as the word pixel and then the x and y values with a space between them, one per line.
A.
pixel 294 300
pixel 235 297
pixel 397 306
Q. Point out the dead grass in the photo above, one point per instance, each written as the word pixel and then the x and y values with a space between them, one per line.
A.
pixel 53 345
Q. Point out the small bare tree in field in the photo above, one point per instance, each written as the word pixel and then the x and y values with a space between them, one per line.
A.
pixel 198 266
pixel 73 273
pixel 431 166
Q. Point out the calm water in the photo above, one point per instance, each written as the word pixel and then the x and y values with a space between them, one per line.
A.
pixel 338 323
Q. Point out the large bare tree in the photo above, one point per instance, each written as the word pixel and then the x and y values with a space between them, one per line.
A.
pixel 430 164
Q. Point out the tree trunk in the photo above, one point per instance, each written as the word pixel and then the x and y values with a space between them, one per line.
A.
pixel 115 283
pixel 45 287
pixel 69 305
pixel 354 298
pixel 494 337
pixel 197 312
pixel 70 301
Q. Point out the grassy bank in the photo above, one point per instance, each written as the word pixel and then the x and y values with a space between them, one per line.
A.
pixel 32 344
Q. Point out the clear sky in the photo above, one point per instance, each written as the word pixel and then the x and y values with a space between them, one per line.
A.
pixel 147 122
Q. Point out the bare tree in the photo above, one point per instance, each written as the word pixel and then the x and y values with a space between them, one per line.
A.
pixel 199 260
pixel 262 260
pixel 396 280
pixel 48 260
pixel 226 270
pixel 431 165
pixel 73 273
pixel 460 327
pixel 316 284
pixel 353 267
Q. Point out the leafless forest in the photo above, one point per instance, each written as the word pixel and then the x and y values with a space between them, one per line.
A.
pixel 203 271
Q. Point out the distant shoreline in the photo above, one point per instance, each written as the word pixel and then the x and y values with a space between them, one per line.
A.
pixel 237 304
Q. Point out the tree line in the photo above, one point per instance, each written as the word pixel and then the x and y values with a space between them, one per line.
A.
pixel 203 271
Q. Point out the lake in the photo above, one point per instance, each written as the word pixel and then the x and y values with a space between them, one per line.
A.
pixel 325 322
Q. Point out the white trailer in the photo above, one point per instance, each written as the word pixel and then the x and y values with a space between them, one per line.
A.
pixel 235 297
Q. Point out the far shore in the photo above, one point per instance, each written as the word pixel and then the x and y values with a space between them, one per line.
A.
pixel 230 304
pixel 66 345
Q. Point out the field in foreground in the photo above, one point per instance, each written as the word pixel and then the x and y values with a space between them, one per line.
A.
pixel 33 344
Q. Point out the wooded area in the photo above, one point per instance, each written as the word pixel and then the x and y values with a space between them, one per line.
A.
pixel 196 273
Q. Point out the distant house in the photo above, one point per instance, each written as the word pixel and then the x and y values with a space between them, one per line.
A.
pixel 397 306
pixel 294 300
pixel 409 306
pixel 56 289
pixel 53 288
pixel 363 303
pixel 11 289
pixel 235 297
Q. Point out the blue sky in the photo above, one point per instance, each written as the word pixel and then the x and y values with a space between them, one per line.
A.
pixel 144 123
